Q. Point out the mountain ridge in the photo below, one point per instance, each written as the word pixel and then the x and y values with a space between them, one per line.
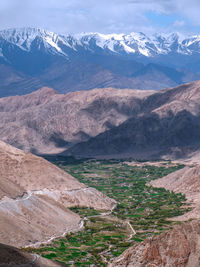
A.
pixel 35 57
pixel 146 45
pixel 46 122
pixel 167 125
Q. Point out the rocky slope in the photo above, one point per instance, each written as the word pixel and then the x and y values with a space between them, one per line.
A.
pixel 13 257
pixel 35 196
pixel 178 247
pixel 187 182
pixel 168 125
pixel 36 57
pixel 48 122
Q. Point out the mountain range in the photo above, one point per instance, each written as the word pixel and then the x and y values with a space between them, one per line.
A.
pixel 31 58
pixel 105 122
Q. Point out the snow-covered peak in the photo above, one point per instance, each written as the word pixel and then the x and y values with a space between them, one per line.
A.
pixel 116 43
pixel 135 43
pixel 24 38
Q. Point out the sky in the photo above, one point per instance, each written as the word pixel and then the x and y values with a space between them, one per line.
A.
pixel 104 16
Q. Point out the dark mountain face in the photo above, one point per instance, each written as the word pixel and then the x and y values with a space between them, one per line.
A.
pixel 29 62
pixel 71 63
pixel 14 82
pixel 167 121
pixel 153 71
pixel 12 256
pixel 147 134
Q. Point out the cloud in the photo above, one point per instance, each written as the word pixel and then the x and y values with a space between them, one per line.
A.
pixel 179 23
pixel 92 15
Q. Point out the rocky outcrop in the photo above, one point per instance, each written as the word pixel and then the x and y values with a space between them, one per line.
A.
pixel 177 248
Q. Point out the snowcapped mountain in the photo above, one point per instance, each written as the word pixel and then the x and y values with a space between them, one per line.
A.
pixel 139 43
pixel 88 60
pixel 25 37
pixel 121 44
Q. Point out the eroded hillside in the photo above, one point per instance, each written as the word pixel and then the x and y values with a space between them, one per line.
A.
pixel 48 122
pixel 35 197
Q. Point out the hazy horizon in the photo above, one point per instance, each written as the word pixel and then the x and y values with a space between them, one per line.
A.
pixel 115 16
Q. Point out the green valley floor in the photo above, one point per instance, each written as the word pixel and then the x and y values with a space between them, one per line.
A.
pixel 142 211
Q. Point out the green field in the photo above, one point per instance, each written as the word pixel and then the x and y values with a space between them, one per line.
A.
pixel 143 207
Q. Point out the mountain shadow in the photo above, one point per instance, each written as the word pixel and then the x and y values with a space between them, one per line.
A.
pixel 150 134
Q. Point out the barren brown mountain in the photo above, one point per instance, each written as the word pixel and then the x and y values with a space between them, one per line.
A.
pixel 177 248
pixel 48 122
pixel 105 122
pixel 35 196
pixel 167 125
pixel 184 97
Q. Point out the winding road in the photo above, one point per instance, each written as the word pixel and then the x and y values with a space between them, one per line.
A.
pixel 132 231
pixel 29 194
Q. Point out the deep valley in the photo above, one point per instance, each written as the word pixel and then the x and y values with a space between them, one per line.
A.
pixel 99 141
pixel 141 212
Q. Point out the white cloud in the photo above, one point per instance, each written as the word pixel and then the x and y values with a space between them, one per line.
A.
pixel 92 15
pixel 179 23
